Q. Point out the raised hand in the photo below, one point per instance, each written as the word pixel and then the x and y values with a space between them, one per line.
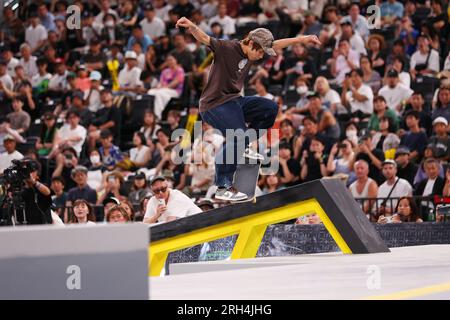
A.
pixel 184 22
pixel 310 40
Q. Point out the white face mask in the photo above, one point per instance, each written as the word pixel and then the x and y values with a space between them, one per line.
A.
pixel 302 90
pixel 351 133
pixel 95 159
pixel 109 24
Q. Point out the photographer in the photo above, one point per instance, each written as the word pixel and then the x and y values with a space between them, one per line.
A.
pixel 36 196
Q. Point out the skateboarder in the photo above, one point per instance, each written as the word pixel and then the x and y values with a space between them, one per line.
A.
pixel 221 102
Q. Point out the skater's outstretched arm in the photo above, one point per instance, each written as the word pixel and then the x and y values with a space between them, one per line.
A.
pixel 306 40
pixel 195 31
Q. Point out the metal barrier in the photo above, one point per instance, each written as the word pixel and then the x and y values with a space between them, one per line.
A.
pixel 375 207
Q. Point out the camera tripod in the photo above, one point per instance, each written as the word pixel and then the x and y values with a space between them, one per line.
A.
pixel 14 210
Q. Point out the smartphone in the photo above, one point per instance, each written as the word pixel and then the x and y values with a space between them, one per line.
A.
pixel 161 202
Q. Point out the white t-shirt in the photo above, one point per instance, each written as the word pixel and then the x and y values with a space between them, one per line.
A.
pixel 419 58
pixel 66 132
pixel 6 158
pixel 366 106
pixel 58 82
pixel 130 77
pixel 153 29
pixel 342 67
pixel 356 43
pixel 11 66
pixel 34 35
pixel 228 24
pixel 163 12
pixel 402 189
pixel 405 79
pixel 37 79
pixel 394 96
pixel 95 102
pixel 138 155
pixel 30 66
pixel 7 81
pixel 179 205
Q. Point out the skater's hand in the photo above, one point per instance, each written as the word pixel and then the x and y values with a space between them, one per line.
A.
pixel 310 40
pixel 184 22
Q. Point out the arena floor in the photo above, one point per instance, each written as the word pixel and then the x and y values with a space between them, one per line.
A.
pixel 421 272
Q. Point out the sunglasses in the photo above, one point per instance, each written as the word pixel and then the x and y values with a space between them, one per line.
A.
pixel 157 191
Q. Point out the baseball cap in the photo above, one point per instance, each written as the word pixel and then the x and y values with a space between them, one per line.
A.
pixel 4 48
pixel 78 94
pixel 440 120
pixel 9 137
pixel 157 178
pixel 401 150
pixel 389 161
pixel 48 115
pixel 392 73
pixel 111 199
pixel 148 7
pixel 139 175
pixel 264 38
pixel 313 94
pixel 130 55
pixel 95 75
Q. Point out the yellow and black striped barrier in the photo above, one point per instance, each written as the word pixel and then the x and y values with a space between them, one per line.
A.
pixel 337 209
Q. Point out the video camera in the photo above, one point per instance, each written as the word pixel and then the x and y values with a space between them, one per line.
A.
pixel 17 173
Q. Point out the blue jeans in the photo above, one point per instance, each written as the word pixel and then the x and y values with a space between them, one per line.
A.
pixel 259 113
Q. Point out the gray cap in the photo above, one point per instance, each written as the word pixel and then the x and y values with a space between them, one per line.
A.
pixel 264 38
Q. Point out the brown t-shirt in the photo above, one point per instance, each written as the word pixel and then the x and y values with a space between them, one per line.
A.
pixel 227 74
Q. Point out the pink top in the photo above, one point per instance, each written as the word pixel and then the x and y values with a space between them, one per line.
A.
pixel 168 75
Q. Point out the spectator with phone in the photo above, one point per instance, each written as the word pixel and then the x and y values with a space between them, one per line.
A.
pixel 65 162
pixel 341 159
pixel 167 204
pixel 406 211
pixel 112 187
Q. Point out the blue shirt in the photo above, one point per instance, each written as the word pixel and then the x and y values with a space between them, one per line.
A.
pixel 415 141
pixel 86 193
pixel 112 158
pixel 48 22
pixel 392 9
pixel 145 42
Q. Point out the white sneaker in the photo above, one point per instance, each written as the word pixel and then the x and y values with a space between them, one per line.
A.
pixel 230 194
pixel 251 154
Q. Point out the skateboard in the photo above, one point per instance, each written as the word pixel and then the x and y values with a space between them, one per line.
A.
pixel 246 180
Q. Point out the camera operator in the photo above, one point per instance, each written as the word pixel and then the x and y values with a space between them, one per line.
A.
pixel 36 197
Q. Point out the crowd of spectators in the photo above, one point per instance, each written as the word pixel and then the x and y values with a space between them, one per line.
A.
pixel 97 105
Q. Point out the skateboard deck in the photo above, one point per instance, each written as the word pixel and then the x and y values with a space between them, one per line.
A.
pixel 246 180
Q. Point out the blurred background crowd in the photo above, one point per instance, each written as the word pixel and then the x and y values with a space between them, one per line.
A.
pixel 96 103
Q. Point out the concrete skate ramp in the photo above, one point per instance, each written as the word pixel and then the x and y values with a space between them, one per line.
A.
pixel 330 199
pixel 405 273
